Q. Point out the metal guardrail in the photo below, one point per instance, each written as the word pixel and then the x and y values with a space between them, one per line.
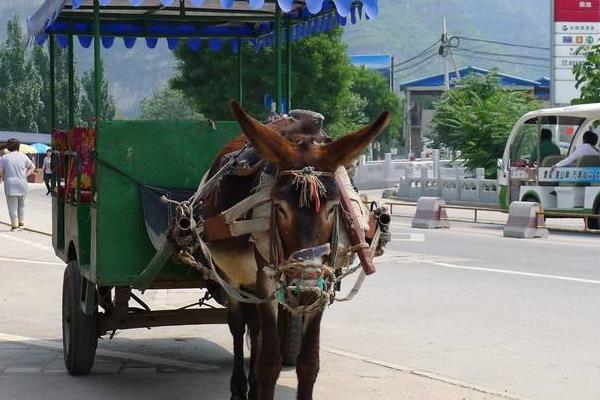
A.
pixel 477 210
pixel 474 209
pixel 585 217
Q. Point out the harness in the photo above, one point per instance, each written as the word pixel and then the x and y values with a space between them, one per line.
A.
pixel 297 278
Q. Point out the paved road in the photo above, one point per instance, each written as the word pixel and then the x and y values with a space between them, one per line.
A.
pixel 454 314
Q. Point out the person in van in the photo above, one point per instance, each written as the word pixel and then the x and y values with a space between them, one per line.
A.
pixel 587 148
pixel 547 147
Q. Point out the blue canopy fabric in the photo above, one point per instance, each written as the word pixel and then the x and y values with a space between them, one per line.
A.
pixel 308 17
pixel 40 148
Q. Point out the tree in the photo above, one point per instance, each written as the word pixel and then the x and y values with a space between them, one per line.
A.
pixel 476 118
pixel 587 75
pixel 372 86
pixel 41 60
pixel 108 110
pixel 321 77
pixel 20 83
pixel 168 104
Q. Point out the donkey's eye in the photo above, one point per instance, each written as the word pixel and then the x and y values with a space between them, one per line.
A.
pixel 331 210
pixel 281 211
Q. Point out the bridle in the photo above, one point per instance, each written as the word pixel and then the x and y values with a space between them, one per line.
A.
pixel 293 276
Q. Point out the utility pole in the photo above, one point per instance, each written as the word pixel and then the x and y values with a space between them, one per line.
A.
pixel 445 51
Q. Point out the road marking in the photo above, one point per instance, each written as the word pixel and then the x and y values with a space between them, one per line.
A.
pixel 507 271
pixel 26 261
pixel 579 242
pixel 422 373
pixel 112 353
pixel 408 237
pixel 13 236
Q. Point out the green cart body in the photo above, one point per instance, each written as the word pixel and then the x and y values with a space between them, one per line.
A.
pixel 107 235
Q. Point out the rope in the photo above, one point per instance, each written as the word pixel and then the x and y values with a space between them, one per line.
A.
pixel 291 276
pixel 310 186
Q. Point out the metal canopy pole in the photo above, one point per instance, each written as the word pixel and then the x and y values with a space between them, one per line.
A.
pixel 71 66
pixel 288 64
pixel 278 60
pixel 240 71
pixel 52 84
pixel 97 65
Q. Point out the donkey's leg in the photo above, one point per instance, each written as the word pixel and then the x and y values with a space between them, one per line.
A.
pixel 307 364
pixel 235 319
pixel 268 359
pixel 251 318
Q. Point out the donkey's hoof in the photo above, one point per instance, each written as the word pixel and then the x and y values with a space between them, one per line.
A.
pixel 238 397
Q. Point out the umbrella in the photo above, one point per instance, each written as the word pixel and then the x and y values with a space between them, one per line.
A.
pixel 40 148
pixel 25 148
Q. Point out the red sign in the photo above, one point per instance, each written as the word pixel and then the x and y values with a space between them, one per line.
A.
pixel 577 10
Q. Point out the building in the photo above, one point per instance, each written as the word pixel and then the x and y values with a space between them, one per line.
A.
pixel 420 94
pixel 25 137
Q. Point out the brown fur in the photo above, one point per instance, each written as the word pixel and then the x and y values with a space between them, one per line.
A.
pixel 295 147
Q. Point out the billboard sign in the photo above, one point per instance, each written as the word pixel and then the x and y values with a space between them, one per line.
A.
pixel 381 63
pixel 576 23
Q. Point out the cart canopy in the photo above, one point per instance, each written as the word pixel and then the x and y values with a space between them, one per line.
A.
pixel 208 24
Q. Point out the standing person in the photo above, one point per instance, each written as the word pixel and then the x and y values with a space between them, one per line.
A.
pixel 15 168
pixel 47 168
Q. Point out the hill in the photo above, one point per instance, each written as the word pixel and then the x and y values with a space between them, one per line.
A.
pixel 404 28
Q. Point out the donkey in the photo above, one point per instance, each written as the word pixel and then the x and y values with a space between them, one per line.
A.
pixel 298 226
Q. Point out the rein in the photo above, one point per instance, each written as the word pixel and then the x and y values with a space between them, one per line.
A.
pixel 293 276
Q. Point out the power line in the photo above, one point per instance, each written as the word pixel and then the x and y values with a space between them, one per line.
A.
pixel 504 61
pixel 423 52
pixel 416 71
pixel 421 62
pixel 520 56
pixel 503 43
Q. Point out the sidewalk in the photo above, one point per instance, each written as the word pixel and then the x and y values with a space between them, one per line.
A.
pixel 38 208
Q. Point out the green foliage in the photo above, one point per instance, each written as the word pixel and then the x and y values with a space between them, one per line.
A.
pixel 41 60
pixel 374 88
pixel 168 104
pixel 587 75
pixel 108 110
pixel 20 83
pixel 476 118
pixel 321 78
pixel 25 87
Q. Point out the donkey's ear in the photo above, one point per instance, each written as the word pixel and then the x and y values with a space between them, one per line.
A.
pixel 269 145
pixel 346 149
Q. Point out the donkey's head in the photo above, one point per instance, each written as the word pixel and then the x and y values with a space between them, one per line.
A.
pixel 305 194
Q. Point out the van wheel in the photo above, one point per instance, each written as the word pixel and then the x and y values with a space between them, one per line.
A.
pixel 530 198
pixel 594 223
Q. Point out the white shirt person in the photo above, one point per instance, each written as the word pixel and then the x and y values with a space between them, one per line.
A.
pixel 587 148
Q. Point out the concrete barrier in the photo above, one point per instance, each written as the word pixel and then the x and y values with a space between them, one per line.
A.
pixel 430 214
pixel 524 222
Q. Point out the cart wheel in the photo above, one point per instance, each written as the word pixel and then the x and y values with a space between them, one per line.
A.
pixel 80 331
pixel 290 332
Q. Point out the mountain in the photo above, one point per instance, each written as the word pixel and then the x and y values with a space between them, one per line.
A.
pixel 403 29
